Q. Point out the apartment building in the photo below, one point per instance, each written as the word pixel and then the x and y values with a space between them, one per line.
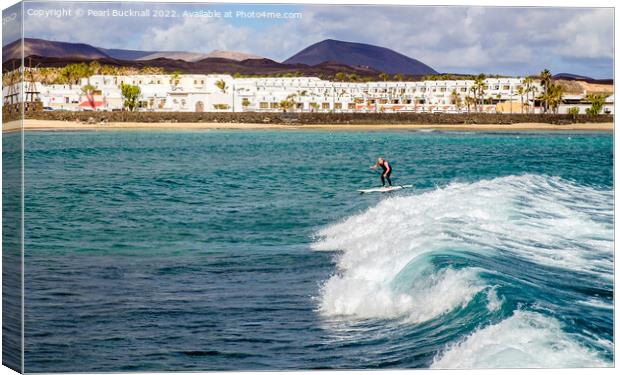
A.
pixel 221 92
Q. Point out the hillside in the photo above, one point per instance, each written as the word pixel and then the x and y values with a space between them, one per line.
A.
pixel 359 54
pixel 40 47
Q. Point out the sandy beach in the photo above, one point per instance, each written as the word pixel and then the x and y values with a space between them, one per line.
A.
pixel 45 125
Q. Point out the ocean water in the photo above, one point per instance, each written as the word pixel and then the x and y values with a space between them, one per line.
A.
pixel 234 250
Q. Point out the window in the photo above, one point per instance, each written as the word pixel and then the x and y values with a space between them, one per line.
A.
pixel 263 105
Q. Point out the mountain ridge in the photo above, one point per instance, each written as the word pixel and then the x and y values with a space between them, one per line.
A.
pixel 360 54
pixel 57 49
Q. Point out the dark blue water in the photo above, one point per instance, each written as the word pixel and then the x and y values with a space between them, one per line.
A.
pixel 252 250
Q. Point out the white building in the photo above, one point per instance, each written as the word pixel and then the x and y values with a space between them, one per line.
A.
pixel 221 92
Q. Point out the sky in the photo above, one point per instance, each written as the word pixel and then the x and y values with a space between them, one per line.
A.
pixel 494 40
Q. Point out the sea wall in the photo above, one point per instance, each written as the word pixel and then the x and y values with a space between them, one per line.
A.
pixel 316 118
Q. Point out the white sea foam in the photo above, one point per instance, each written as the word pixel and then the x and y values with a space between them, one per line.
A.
pixel 494 302
pixel 366 298
pixel 598 303
pixel 526 339
pixel 381 272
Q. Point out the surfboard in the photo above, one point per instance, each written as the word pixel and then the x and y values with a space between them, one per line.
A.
pixel 384 189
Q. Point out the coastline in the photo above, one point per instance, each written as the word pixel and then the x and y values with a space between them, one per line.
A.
pixel 52 125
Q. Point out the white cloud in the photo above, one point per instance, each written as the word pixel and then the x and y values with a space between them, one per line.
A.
pixel 587 35
pixel 197 35
pixel 457 39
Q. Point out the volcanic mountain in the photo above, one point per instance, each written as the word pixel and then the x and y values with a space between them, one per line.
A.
pixel 359 54
pixel 362 61
pixel 48 48
pixel 63 50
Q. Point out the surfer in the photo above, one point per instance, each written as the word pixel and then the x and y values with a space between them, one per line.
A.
pixel 387 170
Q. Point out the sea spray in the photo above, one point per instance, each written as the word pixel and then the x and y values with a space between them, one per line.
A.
pixel 531 217
pixel 366 299
pixel 526 339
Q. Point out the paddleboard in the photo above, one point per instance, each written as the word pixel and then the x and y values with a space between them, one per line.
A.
pixel 384 189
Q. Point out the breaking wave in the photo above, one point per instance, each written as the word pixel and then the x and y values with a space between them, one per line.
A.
pixel 419 257
pixel 524 340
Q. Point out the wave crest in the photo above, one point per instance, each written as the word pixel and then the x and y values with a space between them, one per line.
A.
pixel 386 268
pixel 526 339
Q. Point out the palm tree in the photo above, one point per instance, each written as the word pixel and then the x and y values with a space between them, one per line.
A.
pixel 94 67
pixel 290 99
pixel 545 82
pixel 175 76
pixel 455 98
pixel 474 91
pixel 384 76
pixel 109 70
pixel 521 91
pixel 88 90
pixel 529 89
pixel 553 96
pixel 221 84
pixel 558 96
pixel 286 105
pixel 469 100
pixel 46 75
pixel 597 101
pixel 353 77
pixel 340 76
pixel 478 88
pixel 130 95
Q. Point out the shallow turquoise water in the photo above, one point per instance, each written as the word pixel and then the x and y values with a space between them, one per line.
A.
pixel 252 250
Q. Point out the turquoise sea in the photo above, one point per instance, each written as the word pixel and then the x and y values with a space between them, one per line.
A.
pixel 252 250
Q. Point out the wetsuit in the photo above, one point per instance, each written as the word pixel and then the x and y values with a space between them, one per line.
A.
pixel 387 171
